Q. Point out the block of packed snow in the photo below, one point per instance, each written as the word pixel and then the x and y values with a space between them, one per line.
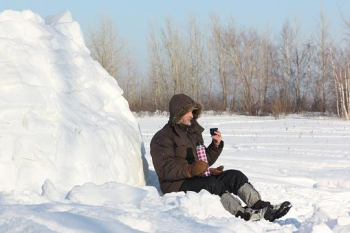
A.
pixel 62 117
pixel 110 193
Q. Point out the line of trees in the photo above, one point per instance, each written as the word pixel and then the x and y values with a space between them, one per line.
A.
pixel 227 68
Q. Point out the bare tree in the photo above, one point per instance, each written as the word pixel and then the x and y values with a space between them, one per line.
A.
pixel 130 78
pixel 341 77
pixel 106 47
pixel 172 69
pixel 157 74
pixel 111 52
pixel 268 68
pixel 220 57
pixel 195 55
pixel 300 62
pixel 323 64
pixel 292 68
pixel 286 72
pixel 173 48
pixel 246 53
pixel 209 75
pixel 340 60
pixel 229 68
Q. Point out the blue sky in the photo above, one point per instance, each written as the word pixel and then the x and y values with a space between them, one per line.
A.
pixel 133 17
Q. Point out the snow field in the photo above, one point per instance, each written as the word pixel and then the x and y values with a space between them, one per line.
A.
pixel 321 203
pixel 305 160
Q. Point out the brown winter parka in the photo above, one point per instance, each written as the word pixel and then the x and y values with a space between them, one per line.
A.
pixel 173 148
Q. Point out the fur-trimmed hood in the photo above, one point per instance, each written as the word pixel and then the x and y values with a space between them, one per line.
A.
pixel 180 105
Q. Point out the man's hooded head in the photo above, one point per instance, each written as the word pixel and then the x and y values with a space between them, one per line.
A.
pixel 181 104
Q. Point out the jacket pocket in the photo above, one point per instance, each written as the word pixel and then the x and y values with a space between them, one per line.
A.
pixel 184 150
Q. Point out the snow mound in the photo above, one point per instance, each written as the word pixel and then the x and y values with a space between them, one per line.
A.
pixel 328 216
pixel 200 205
pixel 110 193
pixel 62 117
pixel 338 178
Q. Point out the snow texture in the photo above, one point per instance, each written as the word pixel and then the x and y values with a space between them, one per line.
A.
pixel 70 150
pixel 62 117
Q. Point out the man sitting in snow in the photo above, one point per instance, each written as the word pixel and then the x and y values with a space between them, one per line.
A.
pixel 173 151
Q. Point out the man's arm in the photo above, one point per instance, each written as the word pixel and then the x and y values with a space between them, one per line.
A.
pixel 215 148
pixel 213 152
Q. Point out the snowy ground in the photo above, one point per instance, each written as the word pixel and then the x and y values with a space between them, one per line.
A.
pixel 305 160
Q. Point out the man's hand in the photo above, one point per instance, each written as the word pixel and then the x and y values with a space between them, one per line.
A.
pixel 197 168
pixel 217 138
pixel 216 171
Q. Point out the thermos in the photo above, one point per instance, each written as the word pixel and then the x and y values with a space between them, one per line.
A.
pixel 202 156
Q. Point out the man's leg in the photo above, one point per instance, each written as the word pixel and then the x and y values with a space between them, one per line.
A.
pixel 210 183
pixel 232 180
pixel 251 197
pixel 233 205
pixel 237 183
pixel 215 186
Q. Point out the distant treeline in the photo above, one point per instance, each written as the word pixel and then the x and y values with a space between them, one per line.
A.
pixel 231 69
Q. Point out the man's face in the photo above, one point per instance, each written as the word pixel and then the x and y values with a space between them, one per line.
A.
pixel 186 119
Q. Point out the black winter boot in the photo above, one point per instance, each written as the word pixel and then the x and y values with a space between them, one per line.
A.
pixel 243 215
pixel 269 213
pixel 274 212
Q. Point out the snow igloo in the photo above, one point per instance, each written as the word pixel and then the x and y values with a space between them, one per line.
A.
pixel 62 117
